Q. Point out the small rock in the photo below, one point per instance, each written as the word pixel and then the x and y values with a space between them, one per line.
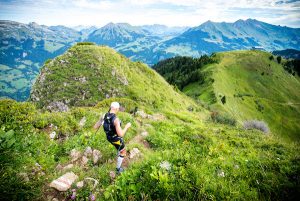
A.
pixel 68 167
pixel 75 155
pixel 84 161
pixel 221 174
pixel 82 79
pixel 156 117
pixel 38 166
pixel 110 161
pixel 24 176
pixel 59 167
pixel 236 166
pixel 88 152
pixel 80 184
pixel 96 156
pixel 64 182
pixel 112 175
pixel 142 114
pixel 144 134
pixel 82 122
pixel 134 152
pixel 55 199
pixel 52 135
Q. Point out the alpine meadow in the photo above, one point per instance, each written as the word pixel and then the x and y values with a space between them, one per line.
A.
pixel 145 111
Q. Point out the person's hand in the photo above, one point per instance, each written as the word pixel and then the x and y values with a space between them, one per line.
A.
pixel 128 125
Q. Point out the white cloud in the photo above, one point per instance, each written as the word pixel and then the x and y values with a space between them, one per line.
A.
pixel 137 12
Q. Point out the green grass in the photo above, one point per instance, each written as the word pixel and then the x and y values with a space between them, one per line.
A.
pixel 267 83
pixel 108 74
pixel 52 47
pixel 207 161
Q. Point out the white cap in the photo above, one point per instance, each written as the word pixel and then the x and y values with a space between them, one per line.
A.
pixel 115 105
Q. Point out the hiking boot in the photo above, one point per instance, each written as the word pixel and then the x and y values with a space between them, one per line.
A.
pixel 119 170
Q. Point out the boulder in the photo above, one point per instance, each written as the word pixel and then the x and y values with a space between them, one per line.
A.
pixel 134 152
pixel 88 152
pixel 68 167
pixel 96 156
pixel 64 182
pixel 84 161
pixel 75 155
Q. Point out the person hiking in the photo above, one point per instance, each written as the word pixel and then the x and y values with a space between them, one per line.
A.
pixel 114 132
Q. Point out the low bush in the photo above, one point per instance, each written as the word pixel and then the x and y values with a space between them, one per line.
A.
pixel 222 119
pixel 258 125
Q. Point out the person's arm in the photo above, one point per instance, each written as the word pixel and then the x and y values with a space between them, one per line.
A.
pixel 121 132
pixel 99 123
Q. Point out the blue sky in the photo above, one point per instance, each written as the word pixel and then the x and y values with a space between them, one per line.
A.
pixel 139 12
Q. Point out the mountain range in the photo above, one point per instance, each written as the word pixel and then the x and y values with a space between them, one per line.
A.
pixel 25 47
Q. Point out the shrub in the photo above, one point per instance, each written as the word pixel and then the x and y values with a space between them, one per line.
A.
pixel 279 59
pixel 271 57
pixel 258 125
pixel 223 99
pixel 222 119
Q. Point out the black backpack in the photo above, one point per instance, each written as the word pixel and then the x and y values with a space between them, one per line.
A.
pixel 108 124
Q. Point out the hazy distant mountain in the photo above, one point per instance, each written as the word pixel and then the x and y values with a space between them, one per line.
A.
pixel 288 53
pixel 163 30
pixel 243 34
pixel 25 47
pixel 116 34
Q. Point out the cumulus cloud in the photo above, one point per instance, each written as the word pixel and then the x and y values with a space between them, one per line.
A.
pixel 138 12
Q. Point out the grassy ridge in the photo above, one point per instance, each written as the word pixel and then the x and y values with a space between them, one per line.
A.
pixel 87 74
pixel 255 87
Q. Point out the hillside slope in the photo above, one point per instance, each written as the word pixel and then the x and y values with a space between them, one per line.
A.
pixel 87 74
pixel 255 87
pixel 174 151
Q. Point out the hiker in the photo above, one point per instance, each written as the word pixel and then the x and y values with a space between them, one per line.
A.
pixel 114 132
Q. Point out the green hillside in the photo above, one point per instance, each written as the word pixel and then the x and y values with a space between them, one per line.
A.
pixel 87 74
pixel 252 85
pixel 181 154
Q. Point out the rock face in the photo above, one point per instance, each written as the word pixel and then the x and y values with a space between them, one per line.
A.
pixel 64 182
pixel 57 106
